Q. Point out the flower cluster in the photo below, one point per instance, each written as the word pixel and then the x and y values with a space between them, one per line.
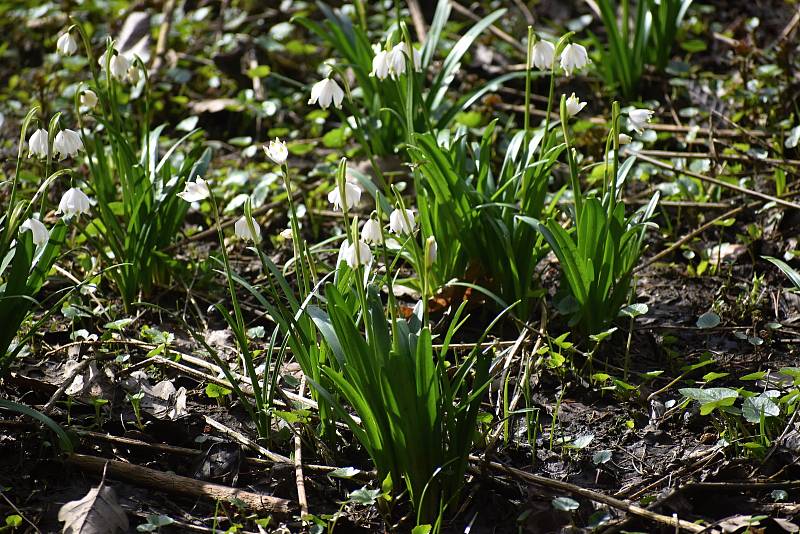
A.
pixel 573 56
pixel 119 66
pixel 392 63
pixel 66 144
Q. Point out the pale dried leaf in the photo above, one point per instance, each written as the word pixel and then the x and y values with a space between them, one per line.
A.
pixel 97 513
pixel 134 37
pixel 164 401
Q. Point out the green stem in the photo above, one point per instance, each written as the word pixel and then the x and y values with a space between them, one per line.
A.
pixel 527 115
pixel 240 324
pixel 573 168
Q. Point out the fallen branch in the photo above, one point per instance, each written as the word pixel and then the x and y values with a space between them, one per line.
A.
pixel 720 183
pixel 688 237
pixel 586 493
pixel 181 485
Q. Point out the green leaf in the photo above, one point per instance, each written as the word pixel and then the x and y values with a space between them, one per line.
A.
pixel 634 310
pixel 214 391
pixel 793 275
pixel 708 320
pixel 601 457
pixel 709 377
pixel 260 71
pixel 711 398
pixel 754 376
pixel 344 472
pixel 754 407
pixel 364 496
pixel 694 45
pixel 581 442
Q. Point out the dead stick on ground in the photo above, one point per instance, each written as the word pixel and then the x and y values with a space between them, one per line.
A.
pixel 244 440
pixel 719 183
pixel 588 494
pixel 494 29
pixel 680 242
pixel 418 19
pixel 185 451
pixel 163 35
pixel 181 485
pixel 298 461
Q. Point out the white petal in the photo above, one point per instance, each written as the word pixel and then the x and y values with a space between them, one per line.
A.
pixel 40 233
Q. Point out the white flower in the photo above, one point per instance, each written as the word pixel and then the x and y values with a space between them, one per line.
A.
pixel 352 194
pixel 66 45
pixel 37 144
pixel 242 229
pixel 277 151
pixel 195 191
pixel 638 119
pixel 357 254
pixel 133 74
pixel 431 250
pixel 39 231
pixel 402 221
pixel 325 92
pixel 118 64
pixel 624 139
pixel 67 143
pixel 543 55
pixel 74 202
pixel 397 59
pixel 573 57
pixel 371 231
pixel 89 98
pixel 574 105
pixel 381 65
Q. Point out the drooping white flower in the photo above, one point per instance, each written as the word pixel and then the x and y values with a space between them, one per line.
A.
pixel 39 231
pixel 242 229
pixel 573 58
pixel 624 139
pixel 574 105
pixel 195 191
pixel 544 53
pixel 67 143
pixel 402 221
pixel 277 151
pixel 357 254
pixel 325 92
pixel 381 65
pixel 133 74
pixel 38 143
pixel 371 231
pixel 352 194
pixel 89 98
pixel 74 202
pixel 638 119
pixel 397 59
pixel 431 250
pixel 66 45
pixel 118 64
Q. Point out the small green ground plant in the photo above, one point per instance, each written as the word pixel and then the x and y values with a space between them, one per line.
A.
pixel 639 33
pixel 599 250
pixel 133 178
